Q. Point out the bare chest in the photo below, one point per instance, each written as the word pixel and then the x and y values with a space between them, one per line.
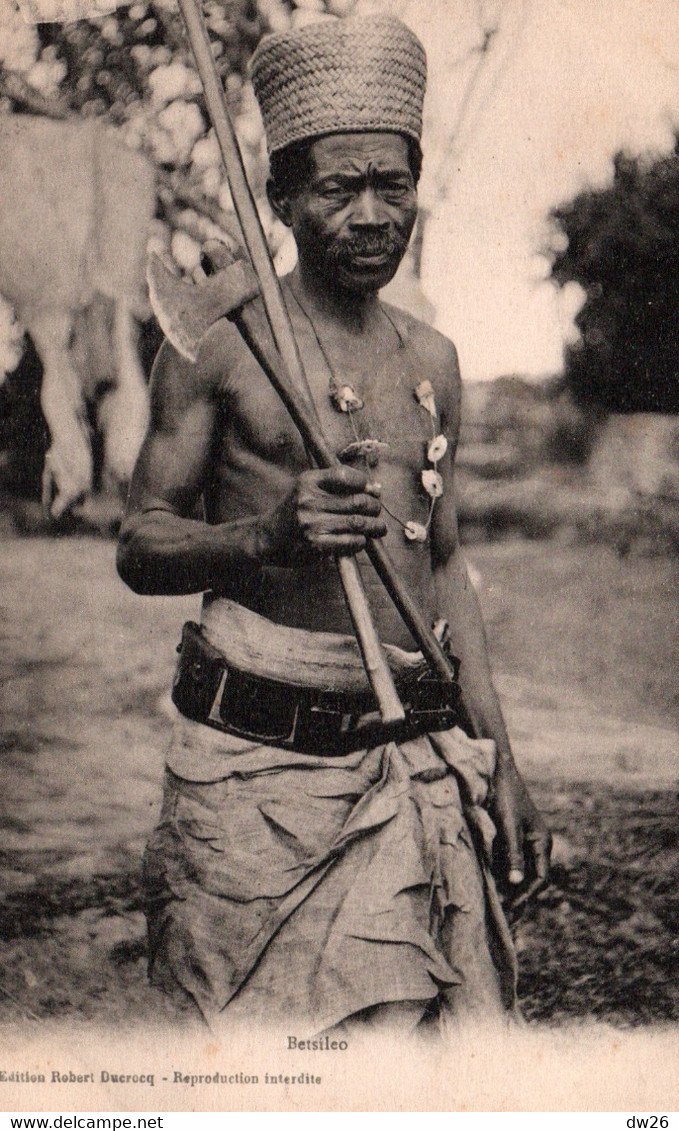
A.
pixel 387 423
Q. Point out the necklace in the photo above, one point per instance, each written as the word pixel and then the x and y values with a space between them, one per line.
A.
pixel 344 399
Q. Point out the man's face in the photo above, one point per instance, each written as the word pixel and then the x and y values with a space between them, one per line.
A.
pixel 355 212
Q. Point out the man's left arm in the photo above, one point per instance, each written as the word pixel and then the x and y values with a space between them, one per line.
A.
pixel 523 840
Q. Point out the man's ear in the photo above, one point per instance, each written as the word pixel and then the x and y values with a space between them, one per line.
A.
pixel 280 203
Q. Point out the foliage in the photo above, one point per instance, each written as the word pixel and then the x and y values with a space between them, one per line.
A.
pixel 623 249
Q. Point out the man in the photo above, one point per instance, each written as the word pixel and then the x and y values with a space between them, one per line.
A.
pixel 302 873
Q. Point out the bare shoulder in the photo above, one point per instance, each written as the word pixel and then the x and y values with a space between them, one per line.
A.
pixel 174 464
pixel 436 350
pixel 437 357
pixel 177 382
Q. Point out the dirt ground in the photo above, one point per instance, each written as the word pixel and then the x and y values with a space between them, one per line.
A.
pixel 585 645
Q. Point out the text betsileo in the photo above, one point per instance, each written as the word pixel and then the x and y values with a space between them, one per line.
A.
pixel 320 1044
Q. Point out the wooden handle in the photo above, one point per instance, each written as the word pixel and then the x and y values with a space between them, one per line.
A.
pixel 376 666
pixel 411 614
pixel 372 653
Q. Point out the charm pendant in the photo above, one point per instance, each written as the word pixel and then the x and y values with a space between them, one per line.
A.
pixel 369 450
pixel 437 448
pixel 424 394
pixel 432 483
pixel 345 399
pixel 415 532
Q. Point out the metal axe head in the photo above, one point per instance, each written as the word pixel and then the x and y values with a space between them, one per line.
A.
pixel 185 311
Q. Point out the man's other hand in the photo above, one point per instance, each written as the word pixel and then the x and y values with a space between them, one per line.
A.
pixel 326 512
pixel 524 843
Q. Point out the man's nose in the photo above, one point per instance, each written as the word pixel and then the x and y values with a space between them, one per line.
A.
pixel 368 211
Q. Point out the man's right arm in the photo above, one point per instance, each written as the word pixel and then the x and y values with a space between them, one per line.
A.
pixel 163 550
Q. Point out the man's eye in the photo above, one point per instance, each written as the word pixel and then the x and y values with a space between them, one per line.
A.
pixel 335 192
pixel 396 190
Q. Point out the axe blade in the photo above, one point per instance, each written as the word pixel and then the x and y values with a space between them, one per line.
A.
pixel 185 311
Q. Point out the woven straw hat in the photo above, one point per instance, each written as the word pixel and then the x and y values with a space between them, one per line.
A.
pixel 340 76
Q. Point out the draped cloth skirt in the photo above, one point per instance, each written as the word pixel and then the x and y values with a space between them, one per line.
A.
pixel 297 889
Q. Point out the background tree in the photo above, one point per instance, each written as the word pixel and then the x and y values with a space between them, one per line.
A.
pixel 623 249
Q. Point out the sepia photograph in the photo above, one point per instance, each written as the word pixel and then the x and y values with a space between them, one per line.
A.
pixel 339 524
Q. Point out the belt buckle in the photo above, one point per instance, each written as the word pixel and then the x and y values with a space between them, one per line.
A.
pixel 442 718
pixel 432 694
pixel 328 722
pixel 434 704
pixel 319 725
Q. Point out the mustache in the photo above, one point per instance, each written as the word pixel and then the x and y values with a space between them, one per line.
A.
pixel 367 243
